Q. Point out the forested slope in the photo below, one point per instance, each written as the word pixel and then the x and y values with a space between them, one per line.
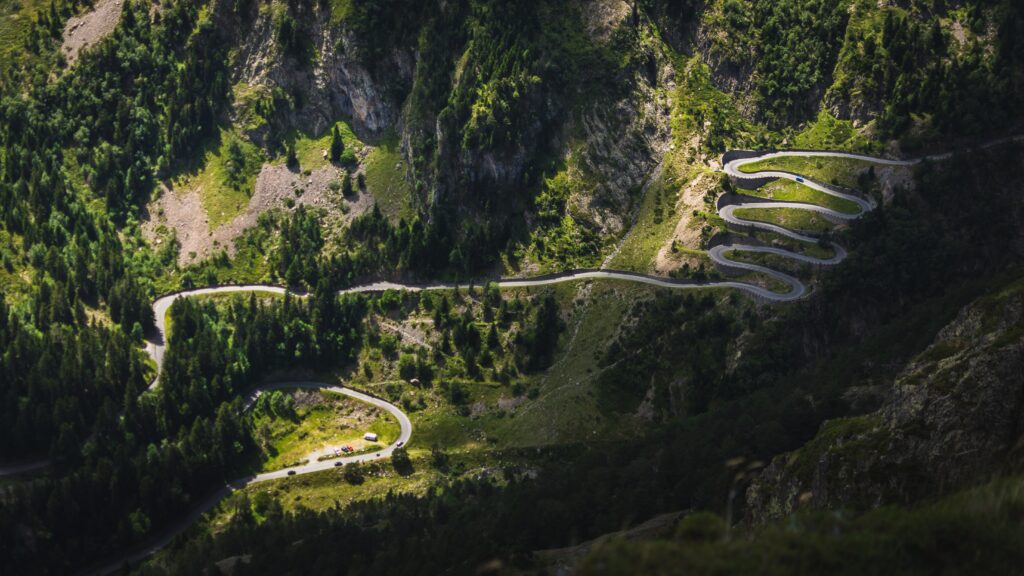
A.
pixel 482 138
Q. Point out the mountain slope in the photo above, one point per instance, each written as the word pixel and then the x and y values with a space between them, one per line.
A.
pixel 323 145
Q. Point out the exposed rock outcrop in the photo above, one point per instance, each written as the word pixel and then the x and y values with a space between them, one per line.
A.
pixel 334 84
pixel 619 149
pixel 954 417
pixel 87 29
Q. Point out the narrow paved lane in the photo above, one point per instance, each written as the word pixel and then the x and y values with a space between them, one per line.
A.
pixel 404 434
pixel 15 468
pixel 167 535
pixel 156 345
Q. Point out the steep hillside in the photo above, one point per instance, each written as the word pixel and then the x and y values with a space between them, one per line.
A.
pixel 548 233
pixel 952 419
pixel 942 536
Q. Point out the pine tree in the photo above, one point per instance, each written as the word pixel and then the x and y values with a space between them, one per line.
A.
pixel 337 146
pixel 346 185
pixel 492 338
pixel 292 160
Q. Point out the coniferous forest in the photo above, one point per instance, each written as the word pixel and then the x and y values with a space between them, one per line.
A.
pixel 613 287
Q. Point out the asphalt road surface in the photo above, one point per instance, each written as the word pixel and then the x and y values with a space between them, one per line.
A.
pixel 157 342
pixel 718 254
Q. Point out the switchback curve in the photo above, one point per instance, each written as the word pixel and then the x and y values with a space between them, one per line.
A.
pixel 732 169
pixel 157 343
pixel 717 254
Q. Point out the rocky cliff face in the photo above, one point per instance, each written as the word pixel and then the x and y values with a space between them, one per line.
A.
pixel 954 417
pixel 333 85
pixel 620 145
pixel 615 139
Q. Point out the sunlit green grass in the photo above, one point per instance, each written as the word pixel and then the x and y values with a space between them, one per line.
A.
pixel 386 179
pixel 223 200
pixel 789 191
pixel 15 19
pixel 654 225
pixel 340 10
pixel 829 133
pixel 310 148
pixel 837 171
pixel 331 422
pixel 791 218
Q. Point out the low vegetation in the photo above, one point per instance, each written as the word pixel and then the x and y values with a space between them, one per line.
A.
pixel 940 536
pixel 842 172
pixel 543 417
pixel 292 426
pixel 788 191
pixel 791 218
pixel 225 179
pixel 386 175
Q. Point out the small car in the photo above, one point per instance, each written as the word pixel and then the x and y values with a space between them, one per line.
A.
pixel 336 464
pixel 291 472
pixel 399 445
pixel 799 179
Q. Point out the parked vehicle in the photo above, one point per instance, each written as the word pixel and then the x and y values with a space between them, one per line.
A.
pixel 291 472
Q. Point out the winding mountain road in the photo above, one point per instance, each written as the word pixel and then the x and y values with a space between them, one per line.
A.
pixel 156 347
pixel 157 343
pixel 718 254
pixel 864 204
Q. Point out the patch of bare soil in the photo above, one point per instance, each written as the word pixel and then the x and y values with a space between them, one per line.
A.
pixel 685 235
pixel 408 331
pixel 306 398
pixel 893 177
pixel 602 17
pixel 276 187
pixel 90 28
pixel 510 404
pixel 958 32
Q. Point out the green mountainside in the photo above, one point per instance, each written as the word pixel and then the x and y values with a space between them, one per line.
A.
pixel 861 415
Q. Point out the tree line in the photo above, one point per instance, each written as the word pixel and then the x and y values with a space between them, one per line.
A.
pixel 152 455
pixel 904 65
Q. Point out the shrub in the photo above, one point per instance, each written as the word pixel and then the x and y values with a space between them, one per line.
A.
pixel 407 367
pixel 353 473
